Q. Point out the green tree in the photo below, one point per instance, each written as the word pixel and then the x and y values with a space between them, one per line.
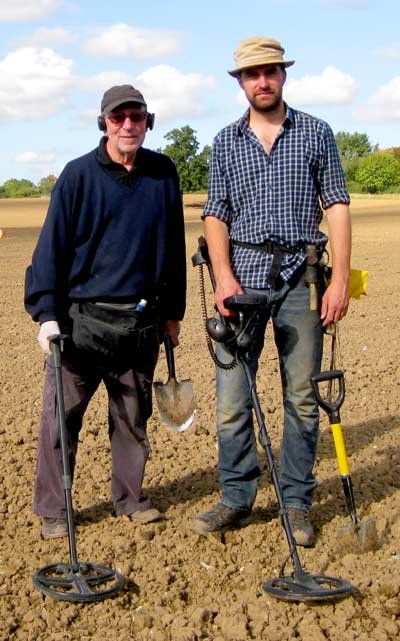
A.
pixel 46 184
pixel 199 169
pixel 353 146
pixel 350 166
pixel 379 172
pixel 192 166
pixel 15 188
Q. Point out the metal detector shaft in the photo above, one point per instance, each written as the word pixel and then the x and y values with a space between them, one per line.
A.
pixel 55 342
pixel 266 444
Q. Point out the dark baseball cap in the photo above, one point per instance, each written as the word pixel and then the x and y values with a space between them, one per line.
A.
pixel 119 95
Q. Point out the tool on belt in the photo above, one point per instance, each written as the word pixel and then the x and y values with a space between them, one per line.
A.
pixel 316 259
pixel 311 275
pixel 277 250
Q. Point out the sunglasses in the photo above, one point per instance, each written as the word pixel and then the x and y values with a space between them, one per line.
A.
pixel 120 117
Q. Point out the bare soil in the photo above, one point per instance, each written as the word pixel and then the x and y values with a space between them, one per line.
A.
pixel 181 587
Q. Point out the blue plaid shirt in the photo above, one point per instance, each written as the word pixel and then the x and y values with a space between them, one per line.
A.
pixel 277 197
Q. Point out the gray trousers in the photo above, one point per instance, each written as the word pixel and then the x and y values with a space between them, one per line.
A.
pixel 130 405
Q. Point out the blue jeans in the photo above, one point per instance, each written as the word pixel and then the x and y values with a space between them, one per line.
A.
pixel 298 338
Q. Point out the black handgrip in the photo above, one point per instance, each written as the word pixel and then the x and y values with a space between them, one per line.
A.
pixel 57 338
pixel 242 302
pixel 335 374
pixel 169 351
pixel 56 343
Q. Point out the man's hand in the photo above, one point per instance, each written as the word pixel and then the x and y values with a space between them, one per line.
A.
pixel 226 287
pixel 173 328
pixel 217 237
pixel 335 303
pixel 47 329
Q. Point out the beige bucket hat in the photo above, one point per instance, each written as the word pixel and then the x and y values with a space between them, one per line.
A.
pixel 256 51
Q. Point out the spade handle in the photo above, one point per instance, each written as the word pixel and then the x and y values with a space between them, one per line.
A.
pixel 331 408
pixel 169 351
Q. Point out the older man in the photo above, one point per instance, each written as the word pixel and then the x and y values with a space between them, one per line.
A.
pixel 109 271
pixel 271 171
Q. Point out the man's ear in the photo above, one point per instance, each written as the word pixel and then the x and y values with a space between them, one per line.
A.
pixel 284 76
pixel 239 79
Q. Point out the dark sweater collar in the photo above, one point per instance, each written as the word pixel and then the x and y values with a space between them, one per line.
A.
pixel 105 158
pixel 118 171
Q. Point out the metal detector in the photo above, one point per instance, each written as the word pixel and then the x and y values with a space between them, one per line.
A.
pixel 73 581
pixel 300 585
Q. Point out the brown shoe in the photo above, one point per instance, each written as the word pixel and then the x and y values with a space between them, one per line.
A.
pixel 219 518
pixel 53 528
pixel 302 529
pixel 145 516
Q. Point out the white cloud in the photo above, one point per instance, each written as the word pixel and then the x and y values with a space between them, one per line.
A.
pixel 384 105
pixel 26 10
pixel 35 158
pixel 103 81
pixel 331 87
pixel 34 83
pixel 87 118
pixel 388 52
pixel 44 37
pixel 171 93
pixel 123 41
pixel 168 92
pixel 241 98
pixel 38 163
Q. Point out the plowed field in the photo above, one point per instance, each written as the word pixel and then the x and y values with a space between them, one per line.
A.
pixel 181 587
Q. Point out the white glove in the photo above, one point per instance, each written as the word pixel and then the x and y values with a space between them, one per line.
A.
pixel 48 328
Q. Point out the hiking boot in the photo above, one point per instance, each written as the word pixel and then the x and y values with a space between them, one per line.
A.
pixel 300 524
pixel 53 528
pixel 219 518
pixel 140 517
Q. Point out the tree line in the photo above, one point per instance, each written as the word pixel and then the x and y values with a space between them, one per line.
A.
pixel 367 168
pixel 14 188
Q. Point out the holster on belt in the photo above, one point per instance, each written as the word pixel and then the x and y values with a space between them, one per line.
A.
pixel 311 275
pixel 275 249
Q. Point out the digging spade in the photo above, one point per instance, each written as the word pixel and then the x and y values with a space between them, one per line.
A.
pixel 362 536
pixel 175 399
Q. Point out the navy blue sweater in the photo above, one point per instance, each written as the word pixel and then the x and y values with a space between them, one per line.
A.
pixel 102 240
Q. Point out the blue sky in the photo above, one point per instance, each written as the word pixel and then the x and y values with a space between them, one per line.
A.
pixel 57 57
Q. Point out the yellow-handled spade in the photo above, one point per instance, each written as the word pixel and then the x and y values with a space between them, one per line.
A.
pixel 361 536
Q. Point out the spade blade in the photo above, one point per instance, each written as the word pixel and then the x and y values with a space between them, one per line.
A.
pixel 175 399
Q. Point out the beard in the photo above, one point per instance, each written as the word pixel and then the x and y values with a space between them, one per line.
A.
pixel 262 107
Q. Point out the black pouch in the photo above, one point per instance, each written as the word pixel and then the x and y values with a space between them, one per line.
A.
pixel 114 335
